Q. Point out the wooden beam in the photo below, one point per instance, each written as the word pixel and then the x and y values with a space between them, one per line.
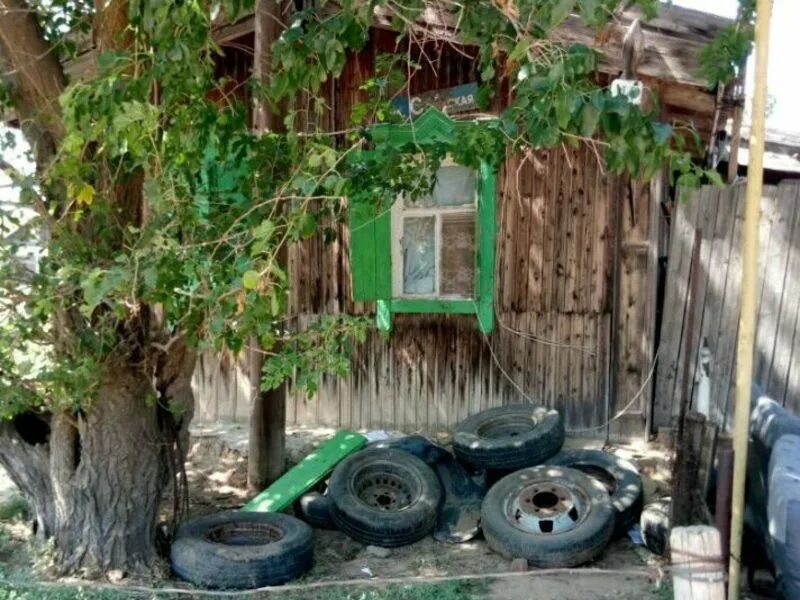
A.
pixel 748 311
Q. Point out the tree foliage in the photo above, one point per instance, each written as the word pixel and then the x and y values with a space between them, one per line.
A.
pixel 200 261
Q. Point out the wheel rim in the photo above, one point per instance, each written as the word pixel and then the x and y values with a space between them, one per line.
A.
pixel 244 534
pixel 506 426
pixel 547 507
pixel 384 490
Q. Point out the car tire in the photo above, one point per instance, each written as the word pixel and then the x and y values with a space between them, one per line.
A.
pixel 619 476
pixel 384 497
pixel 241 550
pixel 552 516
pixel 508 438
pixel 654 524
pixel 315 509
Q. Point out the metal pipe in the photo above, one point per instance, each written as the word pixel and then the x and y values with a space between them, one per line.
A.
pixel 747 317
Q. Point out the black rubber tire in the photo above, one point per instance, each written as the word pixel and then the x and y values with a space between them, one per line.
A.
pixel 584 542
pixel 654 524
pixel 315 509
pixel 619 476
pixel 474 445
pixel 378 526
pixel 212 552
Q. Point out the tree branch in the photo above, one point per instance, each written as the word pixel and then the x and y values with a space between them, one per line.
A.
pixel 19 179
pixel 36 76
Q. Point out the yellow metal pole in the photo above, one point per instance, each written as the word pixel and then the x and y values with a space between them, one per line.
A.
pixel 747 317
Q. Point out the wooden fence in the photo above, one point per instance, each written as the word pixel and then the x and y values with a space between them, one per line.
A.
pixel 718 213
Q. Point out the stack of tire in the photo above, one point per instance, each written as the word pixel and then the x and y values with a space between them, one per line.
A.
pixel 554 508
pixel 551 507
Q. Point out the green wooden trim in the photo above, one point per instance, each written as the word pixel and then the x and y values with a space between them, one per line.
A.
pixel 383 315
pixel 432 125
pixel 362 251
pixel 486 245
pixel 383 254
pixel 435 126
pixel 432 305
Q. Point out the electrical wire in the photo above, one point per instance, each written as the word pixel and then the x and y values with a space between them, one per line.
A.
pixel 545 341
pixel 582 430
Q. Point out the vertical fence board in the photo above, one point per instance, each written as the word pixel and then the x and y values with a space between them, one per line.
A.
pixel 720 214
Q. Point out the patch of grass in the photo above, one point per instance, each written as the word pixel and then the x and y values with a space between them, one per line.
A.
pixel 13 509
pixel 474 590
pixel 10 591
pixel 453 590
pixel 665 591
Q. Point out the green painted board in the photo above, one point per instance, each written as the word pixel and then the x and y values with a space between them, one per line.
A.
pixel 305 474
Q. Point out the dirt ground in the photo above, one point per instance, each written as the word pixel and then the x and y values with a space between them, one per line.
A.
pixel 216 470
pixel 427 570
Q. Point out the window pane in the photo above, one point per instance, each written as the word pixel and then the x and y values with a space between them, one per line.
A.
pixel 457 265
pixel 455 186
pixel 419 255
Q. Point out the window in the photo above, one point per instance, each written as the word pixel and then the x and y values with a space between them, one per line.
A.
pixel 434 254
pixel 433 239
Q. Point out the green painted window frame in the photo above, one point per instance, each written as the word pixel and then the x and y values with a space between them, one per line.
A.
pixel 433 125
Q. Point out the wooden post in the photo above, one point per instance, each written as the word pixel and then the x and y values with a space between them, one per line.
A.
pixel 723 499
pixel 685 476
pixel 697 572
pixel 267 437
pixel 747 315
pixel 612 385
pixel 687 501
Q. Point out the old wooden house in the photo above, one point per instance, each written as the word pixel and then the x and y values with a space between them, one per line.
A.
pixel 566 313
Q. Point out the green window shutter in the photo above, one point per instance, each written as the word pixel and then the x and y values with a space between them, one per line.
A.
pixel 370 251
pixel 486 240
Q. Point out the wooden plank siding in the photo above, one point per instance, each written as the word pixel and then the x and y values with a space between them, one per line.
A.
pixel 553 280
pixel 719 212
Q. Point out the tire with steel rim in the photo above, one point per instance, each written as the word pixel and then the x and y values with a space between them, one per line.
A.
pixel 507 438
pixel 620 478
pixel 551 516
pixel 384 497
pixel 240 550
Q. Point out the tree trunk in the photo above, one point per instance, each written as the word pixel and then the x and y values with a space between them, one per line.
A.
pixel 99 493
pixel 94 478
pixel 266 456
pixel 24 454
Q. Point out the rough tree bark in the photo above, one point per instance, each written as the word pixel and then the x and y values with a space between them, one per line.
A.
pixel 94 478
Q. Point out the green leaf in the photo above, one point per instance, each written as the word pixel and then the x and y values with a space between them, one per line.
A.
pixel 661 132
pixel 715 178
pixel 264 230
pixel 308 225
pixel 590 116
pixel 561 11
pixel 85 195
pixel 250 280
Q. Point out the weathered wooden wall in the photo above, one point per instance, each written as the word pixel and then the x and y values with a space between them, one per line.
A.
pixel 553 299
pixel 719 214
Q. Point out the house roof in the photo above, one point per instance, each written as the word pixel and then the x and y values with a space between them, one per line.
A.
pixel 672 41
pixel 781 151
